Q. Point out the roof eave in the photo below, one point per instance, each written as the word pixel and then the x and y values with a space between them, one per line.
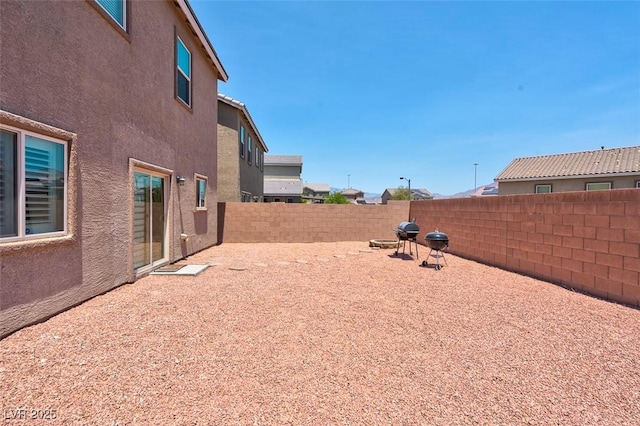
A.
pixel 243 108
pixel 199 32
pixel 590 176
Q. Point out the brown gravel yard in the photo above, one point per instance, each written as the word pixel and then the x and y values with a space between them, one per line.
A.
pixel 329 333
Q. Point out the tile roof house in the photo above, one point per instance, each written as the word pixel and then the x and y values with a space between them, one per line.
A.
pixel 416 194
pixel 241 152
pixel 487 190
pixel 107 119
pixel 282 181
pixel 315 192
pixel 579 171
pixel 354 195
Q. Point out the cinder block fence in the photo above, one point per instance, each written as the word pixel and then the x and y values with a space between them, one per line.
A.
pixel 588 241
pixel 307 223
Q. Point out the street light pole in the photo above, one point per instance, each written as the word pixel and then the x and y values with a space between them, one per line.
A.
pixel 408 180
pixel 475 177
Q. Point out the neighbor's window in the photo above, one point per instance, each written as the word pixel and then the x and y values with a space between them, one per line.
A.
pixel 183 72
pixel 543 189
pixel 249 143
pixel 262 161
pixel 201 192
pixel 33 185
pixel 242 141
pixel 257 157
pixel 599 186
pixel 638 184
pixel 116 9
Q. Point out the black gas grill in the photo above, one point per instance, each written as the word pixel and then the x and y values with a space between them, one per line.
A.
pixel 407 231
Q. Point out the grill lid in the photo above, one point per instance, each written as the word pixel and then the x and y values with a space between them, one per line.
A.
pixel 436 236
pixel 408 227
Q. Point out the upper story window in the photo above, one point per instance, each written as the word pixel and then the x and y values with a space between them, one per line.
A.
pixel 33 185
pixel 249 143
pixel 183 72
pixel 257 157
pixel 262 161
pixel 116 9
pixel 638 184
pixel 242 136
pixel 543 189
pixel 598 186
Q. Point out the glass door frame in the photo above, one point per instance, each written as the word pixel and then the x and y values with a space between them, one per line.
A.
pixel 151 171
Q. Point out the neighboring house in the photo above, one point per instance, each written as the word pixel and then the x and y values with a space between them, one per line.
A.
pixel 315 192
pixel 487 190
pixel 354 195
pixel 416 194
pixel 240 153
pixel 108 148
pixel 282 182
pixel 579 171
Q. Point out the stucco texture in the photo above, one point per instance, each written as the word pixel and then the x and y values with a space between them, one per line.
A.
pixel 66 66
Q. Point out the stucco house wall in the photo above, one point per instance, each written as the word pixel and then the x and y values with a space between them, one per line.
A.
pixel 68 72
pixel 236 175
pixel 566 185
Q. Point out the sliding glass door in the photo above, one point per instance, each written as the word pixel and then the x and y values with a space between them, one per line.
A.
pixel 149 220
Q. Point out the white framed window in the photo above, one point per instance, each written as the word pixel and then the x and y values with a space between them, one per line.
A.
pixel 543 188
pixel 598 186
pixel 638 184
pixel 33 185
pixel 116 9
pixel 201 192
pixel 249 143
pixel 242 136
pixel 262 161
pixel 257 157
pixel 183 72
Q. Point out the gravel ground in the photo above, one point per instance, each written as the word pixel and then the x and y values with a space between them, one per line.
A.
pixel 329 333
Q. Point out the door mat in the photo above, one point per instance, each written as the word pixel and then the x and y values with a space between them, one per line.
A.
pixel 192 270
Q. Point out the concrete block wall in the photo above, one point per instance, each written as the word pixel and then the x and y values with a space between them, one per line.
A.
pixel 306 223
pixel 589 241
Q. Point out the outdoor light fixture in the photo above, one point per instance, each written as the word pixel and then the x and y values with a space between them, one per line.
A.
pixel 181 180
pixel 408 180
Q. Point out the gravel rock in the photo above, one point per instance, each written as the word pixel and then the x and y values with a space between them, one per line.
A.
pixel 373 339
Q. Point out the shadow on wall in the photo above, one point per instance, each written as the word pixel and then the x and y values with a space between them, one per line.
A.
pixel 221 210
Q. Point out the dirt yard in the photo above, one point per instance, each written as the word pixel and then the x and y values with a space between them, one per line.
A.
pixel 328 333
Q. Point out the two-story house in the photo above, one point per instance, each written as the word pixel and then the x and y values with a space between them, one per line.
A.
pixel 282 181
pixel 596 170
pixel 241 152
pixel 354 196
pixel 315 193
pixel 416 194
pixel 108 148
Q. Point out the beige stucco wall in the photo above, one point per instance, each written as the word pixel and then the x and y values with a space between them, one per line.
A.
pixel 235 174
pixel 65 66
pixel 228 154
pixel 566 185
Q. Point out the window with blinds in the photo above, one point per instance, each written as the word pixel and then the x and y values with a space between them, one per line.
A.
pixel 116 9
pixel 33 187
pixel 183 72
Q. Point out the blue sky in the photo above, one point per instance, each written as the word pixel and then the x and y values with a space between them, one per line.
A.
pixel 368 91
